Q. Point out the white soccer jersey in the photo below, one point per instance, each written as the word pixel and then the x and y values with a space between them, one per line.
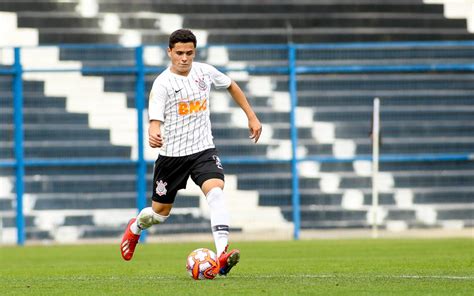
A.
pixel 182 104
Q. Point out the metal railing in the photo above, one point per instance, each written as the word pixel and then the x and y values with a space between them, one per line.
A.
pixel 292 70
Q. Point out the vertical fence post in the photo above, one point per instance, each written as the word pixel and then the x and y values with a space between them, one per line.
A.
pixel 375 165
pixel 294 141
pixel 19 149
pixel 140 106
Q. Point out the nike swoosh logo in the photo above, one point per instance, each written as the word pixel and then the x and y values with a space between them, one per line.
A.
pixel 177 91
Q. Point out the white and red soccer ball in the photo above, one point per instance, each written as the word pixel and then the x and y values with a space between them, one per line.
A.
pixel 202 264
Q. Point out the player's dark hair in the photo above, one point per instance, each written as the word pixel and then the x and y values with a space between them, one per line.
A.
pixel 183 36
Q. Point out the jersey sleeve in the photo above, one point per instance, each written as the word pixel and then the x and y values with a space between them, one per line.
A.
pixel 157 101
pixel 219 79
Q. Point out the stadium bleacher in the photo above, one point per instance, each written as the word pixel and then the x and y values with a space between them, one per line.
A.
pixel 422 112
pixel 244 21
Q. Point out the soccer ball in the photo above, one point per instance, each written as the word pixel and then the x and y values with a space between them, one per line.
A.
pixel 202 264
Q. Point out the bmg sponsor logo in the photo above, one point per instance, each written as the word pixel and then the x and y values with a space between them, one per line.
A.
pixel 187 108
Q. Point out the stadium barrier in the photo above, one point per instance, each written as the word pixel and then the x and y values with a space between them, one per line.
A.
pixel 292 69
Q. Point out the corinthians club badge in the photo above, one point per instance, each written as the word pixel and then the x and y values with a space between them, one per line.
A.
pixel 201 83
pixel 161 188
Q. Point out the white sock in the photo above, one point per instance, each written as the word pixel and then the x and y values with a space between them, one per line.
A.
pixel 219 218
pixel 134 228
pixel 145 219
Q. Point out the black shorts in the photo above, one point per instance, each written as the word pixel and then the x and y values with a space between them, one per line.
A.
pixel 172 173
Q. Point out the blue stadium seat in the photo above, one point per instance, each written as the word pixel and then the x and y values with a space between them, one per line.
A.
pixel 422 111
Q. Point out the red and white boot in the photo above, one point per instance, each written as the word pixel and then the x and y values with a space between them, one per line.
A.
pixel 129 242
pixel 227 260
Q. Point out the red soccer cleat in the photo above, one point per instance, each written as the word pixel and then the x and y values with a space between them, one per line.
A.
pixel 228 260
pixel 129 242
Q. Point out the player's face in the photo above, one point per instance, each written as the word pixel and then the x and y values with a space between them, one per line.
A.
pixel 182 56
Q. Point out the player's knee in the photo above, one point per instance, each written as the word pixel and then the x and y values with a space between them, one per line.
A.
pixel 211 184
pixel 161 208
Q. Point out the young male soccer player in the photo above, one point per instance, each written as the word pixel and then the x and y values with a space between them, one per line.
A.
pixel 180 125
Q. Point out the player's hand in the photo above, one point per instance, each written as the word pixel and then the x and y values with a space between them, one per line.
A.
pixel 154 136
pixel 255 129
pixel 155 141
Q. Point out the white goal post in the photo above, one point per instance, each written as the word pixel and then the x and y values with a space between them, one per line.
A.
pixel 375 164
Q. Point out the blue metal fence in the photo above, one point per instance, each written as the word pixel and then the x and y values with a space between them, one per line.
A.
pixel 19 150
pixel 292 70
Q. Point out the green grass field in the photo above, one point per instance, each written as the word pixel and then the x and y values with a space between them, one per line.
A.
pixel 317 267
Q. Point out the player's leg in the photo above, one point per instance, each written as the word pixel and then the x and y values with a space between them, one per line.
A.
pixel 220 217
pixel 156 214
pixel 208 173
pixel 169 176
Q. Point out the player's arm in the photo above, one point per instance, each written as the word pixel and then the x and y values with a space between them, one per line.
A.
pixel 156 114
pixel 154 134
pixel 255 127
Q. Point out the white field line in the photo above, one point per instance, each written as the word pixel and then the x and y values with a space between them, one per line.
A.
pixel 447 277
pixel 304 276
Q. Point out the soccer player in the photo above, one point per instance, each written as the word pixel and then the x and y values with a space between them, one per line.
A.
pixel 180 126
